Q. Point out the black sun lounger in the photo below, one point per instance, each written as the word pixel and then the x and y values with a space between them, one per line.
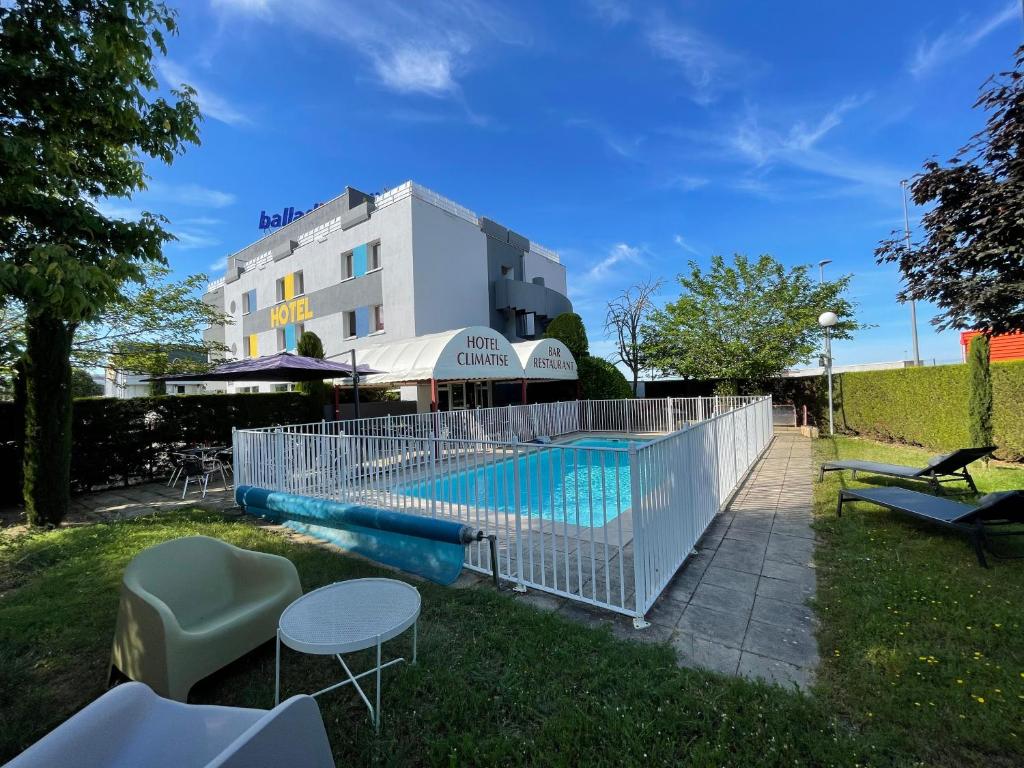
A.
pixel 941 469
pixel 1001 508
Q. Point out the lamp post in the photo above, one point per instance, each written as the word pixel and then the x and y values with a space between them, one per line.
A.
pixel 827 320
pixel 821 269
pixel 913 306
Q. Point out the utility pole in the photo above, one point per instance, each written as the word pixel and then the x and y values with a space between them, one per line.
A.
pixel 913 304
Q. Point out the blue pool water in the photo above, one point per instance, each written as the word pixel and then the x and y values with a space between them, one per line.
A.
pixel 568 482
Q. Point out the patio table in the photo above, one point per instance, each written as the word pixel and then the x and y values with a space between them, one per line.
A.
pixel 346 617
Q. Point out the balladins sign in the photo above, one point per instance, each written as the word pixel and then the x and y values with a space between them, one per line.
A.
pixel 286 216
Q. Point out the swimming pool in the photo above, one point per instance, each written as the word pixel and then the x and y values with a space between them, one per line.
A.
pixel 585 482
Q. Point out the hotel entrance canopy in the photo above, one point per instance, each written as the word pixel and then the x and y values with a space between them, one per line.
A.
pixel 476 353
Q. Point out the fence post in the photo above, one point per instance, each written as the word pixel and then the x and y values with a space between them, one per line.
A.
pixel 671 414
pixel 517 500
pixel 279 475
pixel 639 541
pixel 234 456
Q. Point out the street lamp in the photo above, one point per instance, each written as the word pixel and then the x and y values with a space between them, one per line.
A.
pixel 913 306
pixel 821 269
pixel 827 320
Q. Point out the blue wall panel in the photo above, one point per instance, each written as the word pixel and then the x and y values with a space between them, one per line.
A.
pixel 362 321
pixel 359 260
pixel 289 336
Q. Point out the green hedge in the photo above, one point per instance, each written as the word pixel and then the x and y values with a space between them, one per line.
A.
pixel 921 406
pixel 118 441
pixel 1008 409
pixel 928 406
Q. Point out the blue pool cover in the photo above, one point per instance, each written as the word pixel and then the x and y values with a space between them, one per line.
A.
pixel 425 546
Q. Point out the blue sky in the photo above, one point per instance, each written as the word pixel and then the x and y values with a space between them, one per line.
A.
pixel 629 136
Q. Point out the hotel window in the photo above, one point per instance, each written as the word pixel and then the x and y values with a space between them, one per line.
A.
pixel 247 390
pixel 249 302
pixel 350 325
pixel 378 318
pixel 290 286
pixel 284 387
pixel 374 259
pixel 346 266
pixel 288 337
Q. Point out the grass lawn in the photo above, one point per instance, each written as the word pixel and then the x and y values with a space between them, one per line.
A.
pixel 923 657
pixel 923 650
pixel 498 683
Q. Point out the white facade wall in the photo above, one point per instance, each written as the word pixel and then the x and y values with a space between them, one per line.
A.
pixel 433 275
pixel 449 271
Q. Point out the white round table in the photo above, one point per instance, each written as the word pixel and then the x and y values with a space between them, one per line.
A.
pixel 346 617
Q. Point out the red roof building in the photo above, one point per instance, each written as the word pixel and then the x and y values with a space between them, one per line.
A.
pixel 1003 346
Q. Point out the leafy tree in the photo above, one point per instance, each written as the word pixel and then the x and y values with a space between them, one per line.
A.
pixel 971 260
pixel 82 384
pixel 627 313
pixel 601 380
pixel 310 346
pixel 979 406
pixel 77 117
pixel 153 327
pixel 745 321
pixel 568 329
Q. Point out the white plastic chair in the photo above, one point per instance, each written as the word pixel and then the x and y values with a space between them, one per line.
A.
pixel 130 726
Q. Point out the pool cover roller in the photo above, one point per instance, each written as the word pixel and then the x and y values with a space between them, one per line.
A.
pixel 425 546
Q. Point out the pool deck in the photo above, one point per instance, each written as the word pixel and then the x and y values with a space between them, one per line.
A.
pixel 740 605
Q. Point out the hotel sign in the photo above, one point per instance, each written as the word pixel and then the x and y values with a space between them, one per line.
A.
pixel 288 312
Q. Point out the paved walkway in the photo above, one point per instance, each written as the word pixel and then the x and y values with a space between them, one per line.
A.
pixel 739 606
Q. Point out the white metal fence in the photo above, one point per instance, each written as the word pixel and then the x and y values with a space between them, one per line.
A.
pixel 594 521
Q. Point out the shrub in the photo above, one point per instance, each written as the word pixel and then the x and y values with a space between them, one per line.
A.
pixel 979 408
pixel 568 329
pixel 601 380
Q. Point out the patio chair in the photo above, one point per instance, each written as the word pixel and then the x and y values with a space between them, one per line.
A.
pixel 130 726
pixel 192 605
pixel 995 509
pixel 194 468
pixel 945 468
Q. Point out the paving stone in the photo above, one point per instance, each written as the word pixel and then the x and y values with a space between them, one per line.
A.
pixel 753 535
pixel 749 562
pixel 790 644
pixel 782 613
pixel 787 591
pixel 730 579
pixel 656 633
pixel 790 549
pixel 722 599
pixel 694 651
pixel 792 528
pixel 774 671
pixel 801 574
pixel 725 628
pixel 666 610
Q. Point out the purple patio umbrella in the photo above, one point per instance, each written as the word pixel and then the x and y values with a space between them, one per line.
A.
pixel 284 366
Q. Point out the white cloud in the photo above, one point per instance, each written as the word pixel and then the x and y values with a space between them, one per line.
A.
pixel 709 67
pixel 619 145
pixel 681 242
pixel 618 254
pixel 687 183
pixel 413 48
pixel 410 70
pixel 610 12
pixel 211 103
pixel 797 146
pixel 190 195
pixel 189 240
pixel 964 37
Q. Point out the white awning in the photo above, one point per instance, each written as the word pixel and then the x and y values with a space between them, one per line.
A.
pixel 546 359
pixel 476 353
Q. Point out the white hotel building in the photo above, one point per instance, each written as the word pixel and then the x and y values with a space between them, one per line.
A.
pixel 441 300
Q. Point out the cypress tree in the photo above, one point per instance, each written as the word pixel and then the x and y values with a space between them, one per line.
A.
pixel 310 346
pixel 980 405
